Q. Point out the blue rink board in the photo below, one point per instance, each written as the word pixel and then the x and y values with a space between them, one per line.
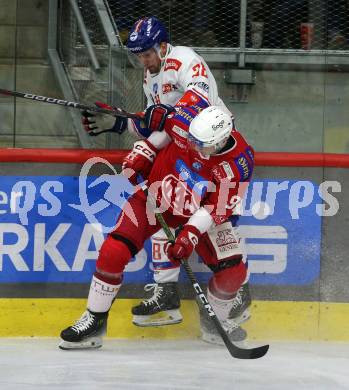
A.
pixel 37 210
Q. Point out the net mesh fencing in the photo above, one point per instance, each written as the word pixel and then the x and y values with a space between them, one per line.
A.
pixel 278 25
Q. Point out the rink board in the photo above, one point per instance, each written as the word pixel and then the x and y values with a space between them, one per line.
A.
pixel 269 321
pixel 294 262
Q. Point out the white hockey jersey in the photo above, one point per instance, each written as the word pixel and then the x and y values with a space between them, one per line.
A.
pixel 182 71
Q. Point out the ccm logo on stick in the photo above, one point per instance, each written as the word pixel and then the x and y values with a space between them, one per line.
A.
pixel 204 299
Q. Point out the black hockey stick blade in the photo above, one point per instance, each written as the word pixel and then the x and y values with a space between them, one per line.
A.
pixel 237 352
pixel 243 353
pixel 234 350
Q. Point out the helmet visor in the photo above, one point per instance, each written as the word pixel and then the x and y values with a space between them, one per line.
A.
pixel 199 146
pixel 148 59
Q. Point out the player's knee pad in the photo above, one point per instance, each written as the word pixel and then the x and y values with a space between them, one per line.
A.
pixel 225 282
pixel 113 256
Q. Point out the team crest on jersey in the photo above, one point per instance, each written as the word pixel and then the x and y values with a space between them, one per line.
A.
pixel 243 166
pixel 176 195
pixel 197 165
pixel 172 63
pixel 195 182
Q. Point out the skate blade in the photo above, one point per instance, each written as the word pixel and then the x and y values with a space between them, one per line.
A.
pixel 91 343
pixel 166 317
pixel 217 340
pixel 239 336
pixel 245 316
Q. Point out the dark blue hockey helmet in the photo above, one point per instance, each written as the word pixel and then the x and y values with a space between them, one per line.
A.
pixel 145 34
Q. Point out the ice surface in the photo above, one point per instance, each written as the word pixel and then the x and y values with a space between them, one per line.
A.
pixel 164 365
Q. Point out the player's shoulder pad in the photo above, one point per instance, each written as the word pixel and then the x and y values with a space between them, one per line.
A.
pixel 179 57
pixel 237 164
pixel 185 115
pixel 244 164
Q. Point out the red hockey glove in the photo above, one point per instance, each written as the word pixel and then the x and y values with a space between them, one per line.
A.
pixel 185 243
pixel 97 123
pixel 139 160
pixel 156 115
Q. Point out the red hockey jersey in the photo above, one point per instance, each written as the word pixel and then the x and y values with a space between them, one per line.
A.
pixel 184 180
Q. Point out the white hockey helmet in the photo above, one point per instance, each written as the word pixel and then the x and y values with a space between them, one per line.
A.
pixel 210 130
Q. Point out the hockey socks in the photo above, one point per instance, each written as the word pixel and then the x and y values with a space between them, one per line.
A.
pixel 102 294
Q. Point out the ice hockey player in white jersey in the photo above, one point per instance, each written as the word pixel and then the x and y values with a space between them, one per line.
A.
pixel 176 76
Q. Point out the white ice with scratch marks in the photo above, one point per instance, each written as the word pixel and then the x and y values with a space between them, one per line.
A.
pixel 165 365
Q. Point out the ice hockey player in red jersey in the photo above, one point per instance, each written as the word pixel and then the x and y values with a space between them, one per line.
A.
pixel 208 163
pixel 177 76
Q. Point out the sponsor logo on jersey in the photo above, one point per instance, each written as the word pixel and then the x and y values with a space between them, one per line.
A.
pixel 185 115
pixel 166 88
pixel 180 144
pixel 200 84
pixel 226 241
pixel 195 182
pixel 172 63
pixel 223 171
pixel 227 169
pixel 176 129
pixel 243 166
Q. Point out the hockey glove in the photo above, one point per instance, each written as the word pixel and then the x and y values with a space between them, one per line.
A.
pixel 156 115
pixel 95 123
pixel 184 244
pixel 139 161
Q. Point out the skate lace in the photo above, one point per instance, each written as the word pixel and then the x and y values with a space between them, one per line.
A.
pixel 84 322
pixel 230 325
pixel 237 300
pixel 157 293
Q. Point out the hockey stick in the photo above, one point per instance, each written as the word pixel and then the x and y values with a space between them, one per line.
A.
pixel 234 350
pixel 114 112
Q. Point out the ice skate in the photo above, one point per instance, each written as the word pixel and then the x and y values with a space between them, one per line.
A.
pixel 238 314
pixel 241 303
pixel 209 333
pixel 86 333
pixel 160 309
